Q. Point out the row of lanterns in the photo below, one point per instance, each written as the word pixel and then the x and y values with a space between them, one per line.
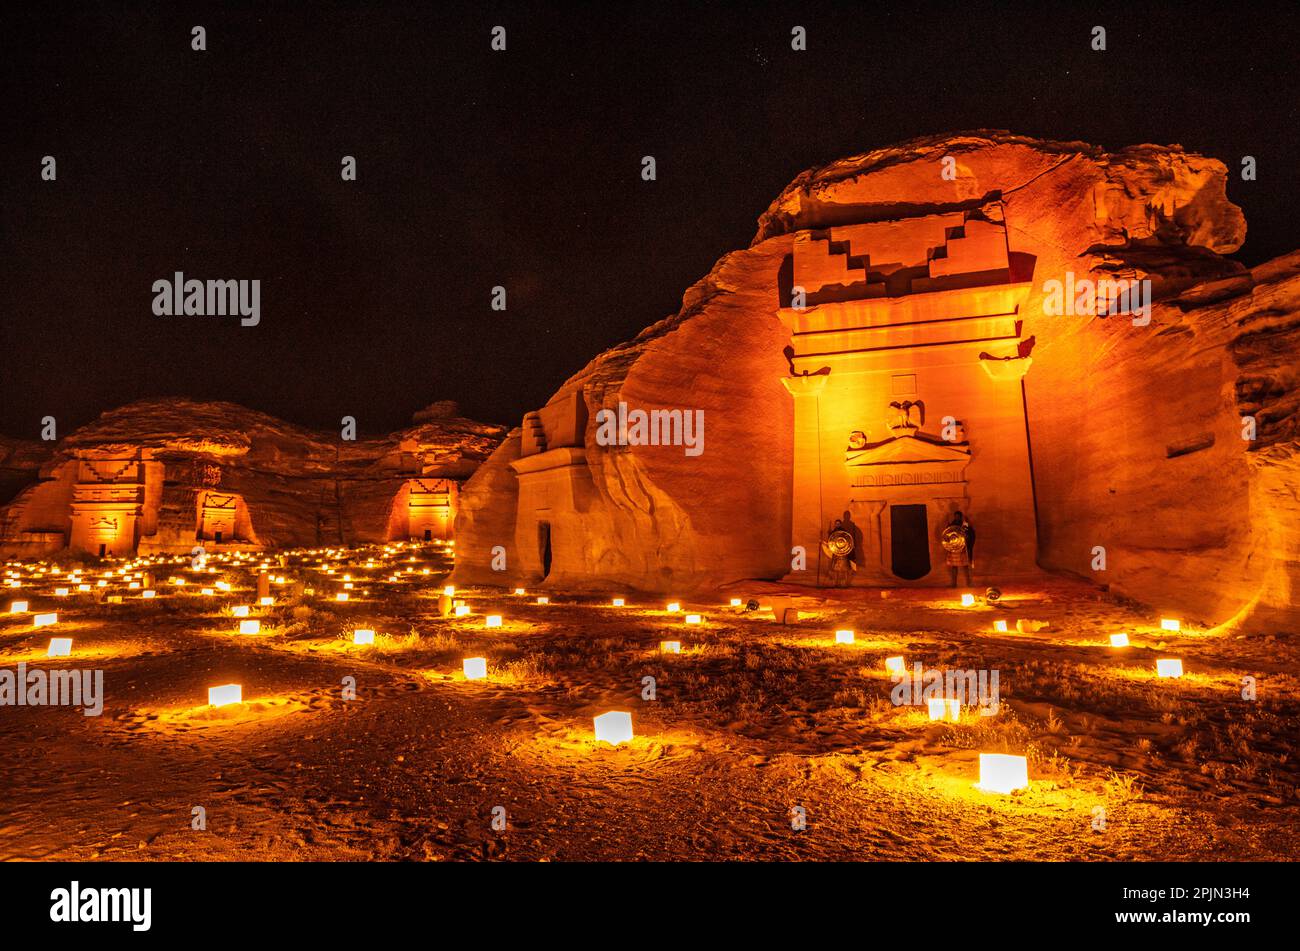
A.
pixel 1000 773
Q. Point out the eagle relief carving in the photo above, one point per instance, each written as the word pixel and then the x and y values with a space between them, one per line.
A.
pixel 905 417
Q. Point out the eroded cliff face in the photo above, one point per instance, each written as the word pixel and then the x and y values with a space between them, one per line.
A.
pixel 1144 449
pixel 294 486
pixel 652 517
pixel 20 465
pixel 1075 196
pixel 1136 427
pixel 1265 352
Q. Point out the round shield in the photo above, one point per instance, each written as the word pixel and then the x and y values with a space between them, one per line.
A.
pixel 992 594
pixel 953 539
pixel 840 542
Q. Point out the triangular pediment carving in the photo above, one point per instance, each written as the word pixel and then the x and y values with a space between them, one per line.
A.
pixel 909 449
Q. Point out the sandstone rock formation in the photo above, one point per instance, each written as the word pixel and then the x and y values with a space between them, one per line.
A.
pixel 20 464
pixel 163 475
pixel 1134 426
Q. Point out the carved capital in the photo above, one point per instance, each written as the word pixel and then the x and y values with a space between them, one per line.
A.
pixel 811 385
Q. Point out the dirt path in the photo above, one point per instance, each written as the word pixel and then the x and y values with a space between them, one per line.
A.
pixel 752 720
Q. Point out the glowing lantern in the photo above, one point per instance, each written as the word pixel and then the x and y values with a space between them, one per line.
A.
pixel 223 585
pixel 266 602
pixel 240 610
pixel 134 585
pixel 1001 773
pixel 1170 667
pixel 670 647
pixel 44 620
pixel 493 620
pixel 1000 626
pixel 944 708
pixel 363 635
pixel 520 591
pixel 735 602
pixel 673 607
pixel 543 600
pixel 59 647
pixel 148 594
pixel 694 619
pixel 462 610
pixel 843 637
pixel 894 665
pixel 475 668
pixel 226 693
pixel 1170 624
pixel 17 607
pixel 61 592
pixel 348 586
pixel 614 727
pixel 207 592
pixel 341 596
pixel 251 626
pixel 83 587
pixel 967 600
pixel 618 602
pixel 1119 640
pixel 450 590
pixel 114 599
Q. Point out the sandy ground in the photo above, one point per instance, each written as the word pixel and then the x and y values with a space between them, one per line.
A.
pixel 754 726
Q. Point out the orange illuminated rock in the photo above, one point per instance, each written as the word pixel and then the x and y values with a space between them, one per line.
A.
pixel 165 475
pixel 909 335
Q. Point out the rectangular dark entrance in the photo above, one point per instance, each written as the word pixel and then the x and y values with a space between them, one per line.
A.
pixel 428 534
pixel 910 541
pixel 544 546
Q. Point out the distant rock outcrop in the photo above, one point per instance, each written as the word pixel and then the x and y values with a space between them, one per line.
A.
pixel 164 475
pixel 1141 477
pixel 443 409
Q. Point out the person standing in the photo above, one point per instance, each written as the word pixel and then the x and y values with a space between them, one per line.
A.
pixel 840 546
pixel 959 543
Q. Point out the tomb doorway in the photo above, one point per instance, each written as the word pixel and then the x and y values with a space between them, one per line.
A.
pixel 909 541
pixel 544 546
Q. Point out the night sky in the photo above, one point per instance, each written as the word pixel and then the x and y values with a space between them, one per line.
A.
pixel 519 168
